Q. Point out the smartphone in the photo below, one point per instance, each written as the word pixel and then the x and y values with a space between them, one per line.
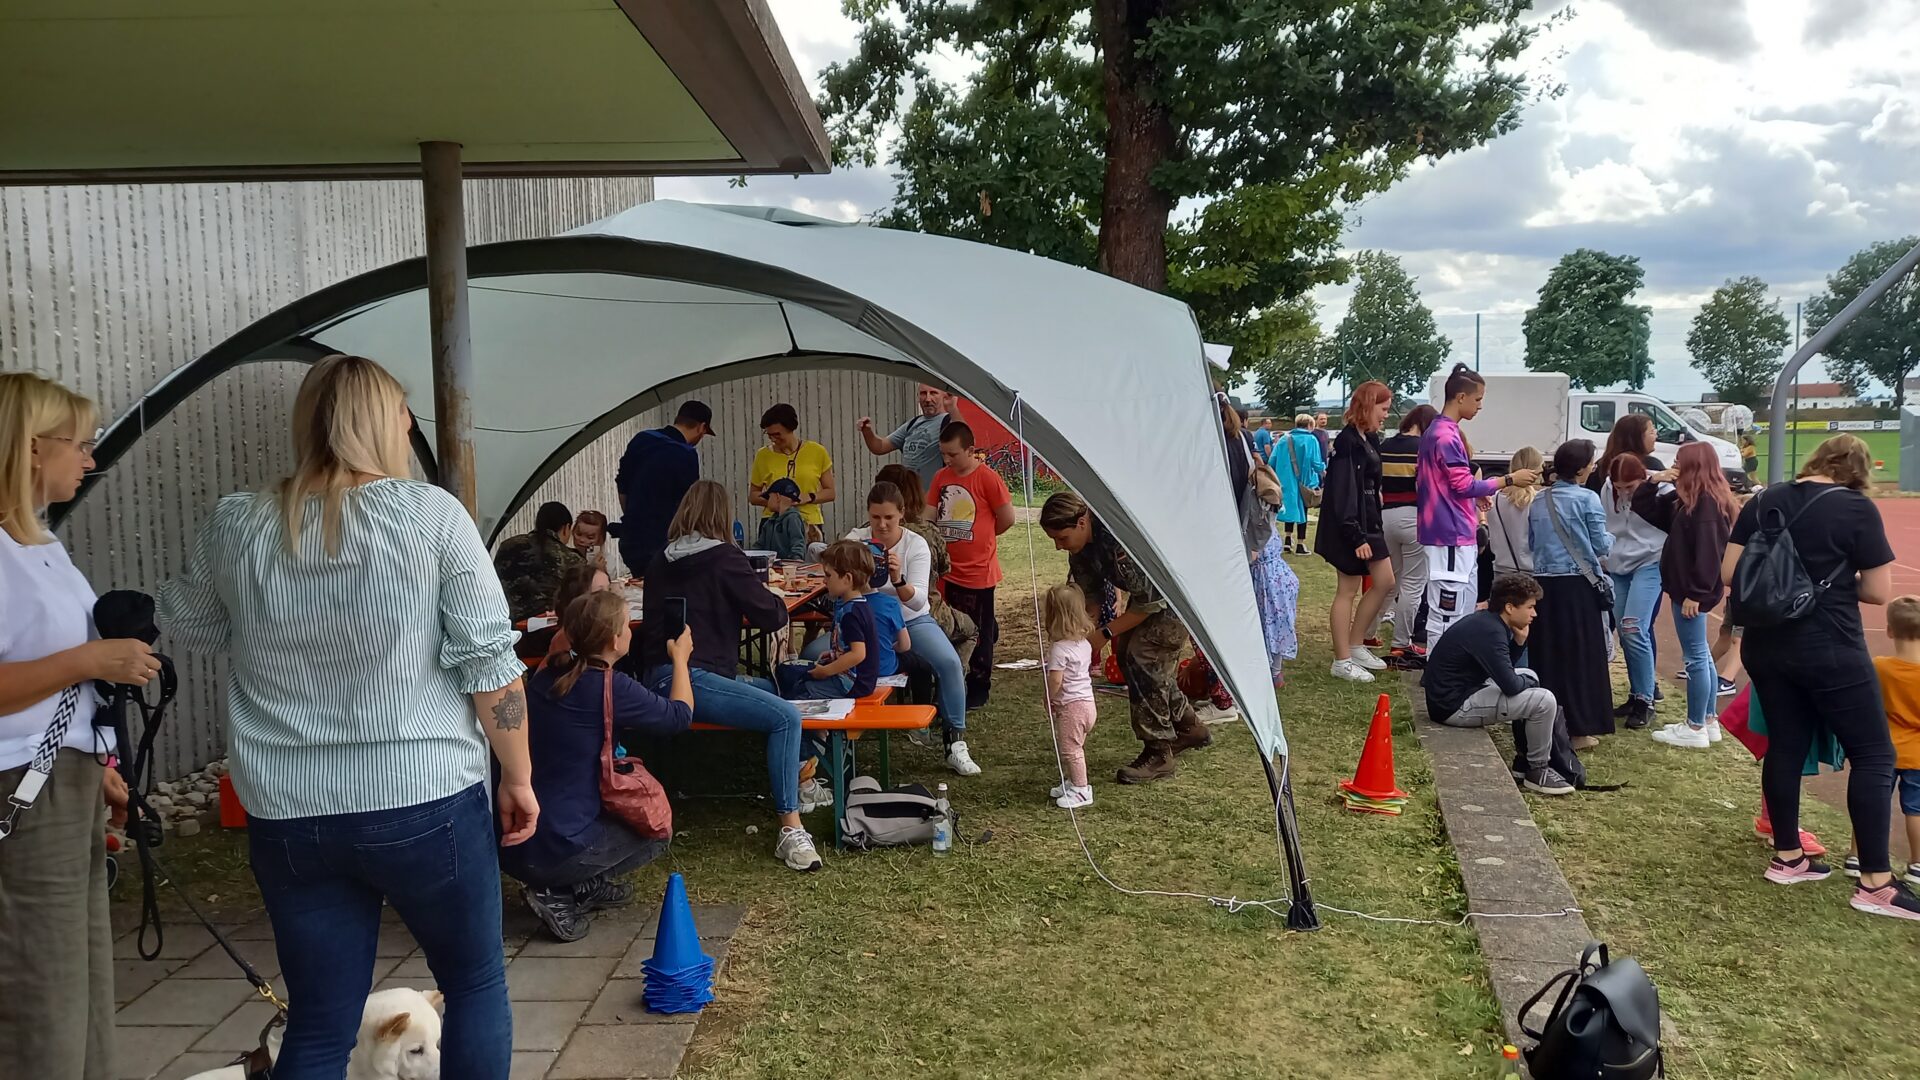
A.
pixel 673 617
pixel 880 575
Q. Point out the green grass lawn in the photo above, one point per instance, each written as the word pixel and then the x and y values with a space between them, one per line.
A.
pixel 1010 958
pixel 1883 445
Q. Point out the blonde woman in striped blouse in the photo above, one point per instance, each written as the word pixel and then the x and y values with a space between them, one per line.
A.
pixel 372 664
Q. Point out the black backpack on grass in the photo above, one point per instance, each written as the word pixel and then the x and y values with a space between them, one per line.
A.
pixel 1771 585
pixel 1605 1025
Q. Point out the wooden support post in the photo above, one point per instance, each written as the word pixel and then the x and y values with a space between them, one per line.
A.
pixel 450 321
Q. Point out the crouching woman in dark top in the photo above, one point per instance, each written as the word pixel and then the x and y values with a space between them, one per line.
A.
pixel 573 862
pixel 1471 681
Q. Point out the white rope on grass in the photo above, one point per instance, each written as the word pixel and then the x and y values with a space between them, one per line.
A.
pixel 1232 904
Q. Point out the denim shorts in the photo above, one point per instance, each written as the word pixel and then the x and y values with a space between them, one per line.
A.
pixel 1907 783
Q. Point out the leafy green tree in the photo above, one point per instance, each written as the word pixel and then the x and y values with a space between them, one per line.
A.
pixel 1737 341
pixel 1387 334
pixel 1288 355
pixel 1585 326
pixel 1204 148
pixel 1883 342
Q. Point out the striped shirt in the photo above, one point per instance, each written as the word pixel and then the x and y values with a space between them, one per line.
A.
pixel 1399 457
pixel 351 675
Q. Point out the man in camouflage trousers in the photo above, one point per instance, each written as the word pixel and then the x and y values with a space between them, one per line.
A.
pixel 531 566
pixel 1148 640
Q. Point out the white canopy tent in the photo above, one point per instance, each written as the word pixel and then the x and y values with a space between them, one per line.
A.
pixel 1108 383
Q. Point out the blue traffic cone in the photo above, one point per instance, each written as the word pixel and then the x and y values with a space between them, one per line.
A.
pixel 676 944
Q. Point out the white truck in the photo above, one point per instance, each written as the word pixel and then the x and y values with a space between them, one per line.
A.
pixel 1538 409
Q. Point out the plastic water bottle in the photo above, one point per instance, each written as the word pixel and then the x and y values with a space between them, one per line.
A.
pixel 1509 1063
pixel 943 825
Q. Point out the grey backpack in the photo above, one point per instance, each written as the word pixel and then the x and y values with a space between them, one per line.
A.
pixel 876 817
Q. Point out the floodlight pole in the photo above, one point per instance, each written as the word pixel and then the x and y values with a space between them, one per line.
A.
pixel 450 321
pixel 1777 418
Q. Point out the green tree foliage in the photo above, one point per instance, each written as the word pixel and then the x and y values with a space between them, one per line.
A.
pixel 1287 355
pixel 1387 334
pixel 1204 148
pixel 1737 341
pixel 1585 326
pixel 1883 342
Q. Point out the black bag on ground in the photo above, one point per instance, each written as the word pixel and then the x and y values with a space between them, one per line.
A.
pixel 1770 584
pixel 1605 1023
pixel 1562 759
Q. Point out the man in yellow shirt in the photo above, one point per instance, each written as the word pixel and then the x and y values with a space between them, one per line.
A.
pixel 787 456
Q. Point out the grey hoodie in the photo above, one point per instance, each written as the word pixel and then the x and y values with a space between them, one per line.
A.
pixel 1636 543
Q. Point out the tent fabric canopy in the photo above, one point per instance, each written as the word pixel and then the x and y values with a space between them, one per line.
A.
pixel 1108 383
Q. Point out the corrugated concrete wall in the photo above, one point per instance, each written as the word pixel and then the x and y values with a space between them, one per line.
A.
pixel 110 288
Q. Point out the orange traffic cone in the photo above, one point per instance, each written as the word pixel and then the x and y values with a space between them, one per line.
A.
pixel 1374 778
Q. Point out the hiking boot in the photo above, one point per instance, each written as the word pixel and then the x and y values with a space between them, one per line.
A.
pixel 1154 763
pixel 600 892
pixel 1893 900
pixel 559 913
pixel 1191 735
pixel 1545 781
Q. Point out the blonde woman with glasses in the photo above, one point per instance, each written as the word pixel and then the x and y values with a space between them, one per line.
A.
pixel 56 945
pixel 372 665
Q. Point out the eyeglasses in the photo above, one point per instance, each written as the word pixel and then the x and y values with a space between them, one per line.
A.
pixel 85 446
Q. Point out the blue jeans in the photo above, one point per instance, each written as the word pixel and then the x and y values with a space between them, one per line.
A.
pixel 743 704
pixel 932 649
pixel 1703 681
pixel 1634 597
pixel 323 880
pixel 796 683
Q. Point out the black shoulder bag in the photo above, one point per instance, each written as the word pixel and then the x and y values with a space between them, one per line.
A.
pixel 1605 1023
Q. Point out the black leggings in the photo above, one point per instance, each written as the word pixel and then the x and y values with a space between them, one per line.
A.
pixel 1804 685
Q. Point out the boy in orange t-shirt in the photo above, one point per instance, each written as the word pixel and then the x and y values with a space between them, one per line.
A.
pixel 1900 690
pixel 972 507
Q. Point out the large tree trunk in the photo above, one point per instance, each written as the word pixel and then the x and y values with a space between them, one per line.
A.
pixel 1133 213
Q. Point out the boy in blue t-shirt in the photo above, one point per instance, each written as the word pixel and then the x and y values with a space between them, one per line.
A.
pixel 868 631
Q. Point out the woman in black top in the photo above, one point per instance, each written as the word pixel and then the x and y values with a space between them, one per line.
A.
pixel 1351 538
pixel 1815 671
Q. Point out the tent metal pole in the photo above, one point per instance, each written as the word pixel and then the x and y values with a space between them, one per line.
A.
pixel 450 319
pixel 1776 418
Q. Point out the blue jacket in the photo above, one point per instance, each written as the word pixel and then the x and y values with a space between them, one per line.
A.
pixel 1585 521
pixel 1306 453
pixel 655 473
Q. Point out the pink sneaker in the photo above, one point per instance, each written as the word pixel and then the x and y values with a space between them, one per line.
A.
pixel 1803 869
pixel 1893 900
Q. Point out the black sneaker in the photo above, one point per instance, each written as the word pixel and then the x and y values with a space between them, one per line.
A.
pixel 1724 687
pixel 1661 695
pixel 557 911
pixel 1621 710
pixel 1547 782
pixel 1639 714
pixel 600 892
pixel 1851 867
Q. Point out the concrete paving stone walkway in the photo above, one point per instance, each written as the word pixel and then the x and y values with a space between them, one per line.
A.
pixel 577 1013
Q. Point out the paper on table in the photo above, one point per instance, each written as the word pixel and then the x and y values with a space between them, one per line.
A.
pixel 837 709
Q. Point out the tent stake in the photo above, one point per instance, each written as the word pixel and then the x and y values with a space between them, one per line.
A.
pixel 450 322
pixel 1300 912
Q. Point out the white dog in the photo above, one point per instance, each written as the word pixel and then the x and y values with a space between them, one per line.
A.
pixel 399 1039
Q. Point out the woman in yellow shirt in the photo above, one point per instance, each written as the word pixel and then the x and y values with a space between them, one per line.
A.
pixel 787 456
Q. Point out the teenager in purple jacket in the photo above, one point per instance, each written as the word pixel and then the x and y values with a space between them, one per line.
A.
pixel 1444 493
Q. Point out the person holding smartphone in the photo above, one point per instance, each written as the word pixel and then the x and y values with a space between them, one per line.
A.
pixel 703 583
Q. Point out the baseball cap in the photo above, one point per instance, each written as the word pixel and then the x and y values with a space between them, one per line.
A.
pixel 696 412
pixel 785 486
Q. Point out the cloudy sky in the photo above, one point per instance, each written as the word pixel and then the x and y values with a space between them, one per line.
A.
pixel 1711 138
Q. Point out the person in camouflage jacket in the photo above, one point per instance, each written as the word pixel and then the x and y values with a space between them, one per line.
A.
pixel 531 566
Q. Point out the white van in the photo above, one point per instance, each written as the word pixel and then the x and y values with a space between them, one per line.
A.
pixel 1538 409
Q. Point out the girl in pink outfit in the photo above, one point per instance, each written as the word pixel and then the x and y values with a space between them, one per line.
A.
pixel 1068 624
pixel 1447 520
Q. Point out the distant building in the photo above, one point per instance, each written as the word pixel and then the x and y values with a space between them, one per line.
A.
pixel 1825 395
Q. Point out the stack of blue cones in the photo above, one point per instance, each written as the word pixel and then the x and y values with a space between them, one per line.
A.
pixel 679 976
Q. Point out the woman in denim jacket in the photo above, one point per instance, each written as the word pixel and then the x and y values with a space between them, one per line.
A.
pixel 1568 644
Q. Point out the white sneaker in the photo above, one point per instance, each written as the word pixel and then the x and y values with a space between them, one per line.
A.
pixel 960 761
pixel 1683 736
pixel 1714 731
pixel 1059 789
pixel 814 795
pixel 795 848
pixel 1209 713
pixel 1075 798
pixel 1350 671
pixel 1364 657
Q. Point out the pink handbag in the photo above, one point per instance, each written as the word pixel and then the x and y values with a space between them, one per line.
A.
pixel 627 790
